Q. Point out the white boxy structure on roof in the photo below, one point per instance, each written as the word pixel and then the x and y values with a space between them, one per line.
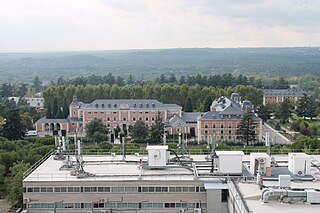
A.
pixel 229 162
pixel 299 164
pixel 158 156
pixel 259 163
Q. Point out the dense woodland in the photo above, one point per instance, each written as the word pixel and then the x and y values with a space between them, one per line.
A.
pixel 149 64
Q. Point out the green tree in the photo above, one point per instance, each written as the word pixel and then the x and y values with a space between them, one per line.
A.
pixel 49 111
pixel 157 129
pixel 246 132
pixel 264 112
pixel 94 128
pixel 65 108
pixel 55 107
pixel 311 108
pixel 284 111
pixel 301 106
pixel 130 80
pixel 37 84
pixel 140 130
pixel 14 184
pixel 207 103
pixel 188 107
pixel 2 178
pixel 13 128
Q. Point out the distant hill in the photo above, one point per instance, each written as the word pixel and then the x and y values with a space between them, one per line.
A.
pixel 146 64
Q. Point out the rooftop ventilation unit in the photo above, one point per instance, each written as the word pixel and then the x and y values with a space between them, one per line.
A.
pixel 299 164
pixel 157 156
pixel 229 162
pixel 197 210
pixel 259 162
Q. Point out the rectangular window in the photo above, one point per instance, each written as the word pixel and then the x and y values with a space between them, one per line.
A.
pixel 49 189
pixel 57 189
pixel 224 195
pixel 30 190
pixel 36 189
pixel 131 189
pixel 110 205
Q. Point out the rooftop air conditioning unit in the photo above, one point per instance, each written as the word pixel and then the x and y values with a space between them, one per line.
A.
pixel 113 154
pixel 136 154
pixel 181 210
pixel 89 211
pixel 26 200
pixel 197 210
pixel 103 211
pixel 103 200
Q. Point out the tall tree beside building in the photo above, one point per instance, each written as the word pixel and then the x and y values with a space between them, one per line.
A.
pixel 13 128
pixel 246 132
pixel 207 103
pixel 65 108
pixel 311 108
pixel 301 106
pixel 49 111
pixel 284 111
pixel 188 107
pixel 55 107
pixel 157 129
pixel 140 130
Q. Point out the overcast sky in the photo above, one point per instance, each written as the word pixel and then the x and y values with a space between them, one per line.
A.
pixel 125 24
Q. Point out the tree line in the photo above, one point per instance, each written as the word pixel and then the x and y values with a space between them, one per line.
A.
pixel 166 93
pixel 217 80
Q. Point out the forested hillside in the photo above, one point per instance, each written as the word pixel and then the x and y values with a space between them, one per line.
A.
pixel 147 64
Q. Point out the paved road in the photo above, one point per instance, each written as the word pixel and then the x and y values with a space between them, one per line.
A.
pixel 275 136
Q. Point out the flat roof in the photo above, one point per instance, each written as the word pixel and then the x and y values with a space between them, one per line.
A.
pixel 252 194
pixel 107 168
pixel 229 153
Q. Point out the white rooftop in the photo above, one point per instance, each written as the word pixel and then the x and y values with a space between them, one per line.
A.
pixel 251 194
pixel 107 168
pixel 229 153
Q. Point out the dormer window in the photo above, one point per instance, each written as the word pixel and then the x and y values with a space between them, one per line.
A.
pixel 97 105
pixel 109 105
pixel 140 105
pixel 115 105
pixel 102 105
pixel 153 105
pixel 147 105
pixel 134 105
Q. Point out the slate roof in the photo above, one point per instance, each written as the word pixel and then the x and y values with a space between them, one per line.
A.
pixel 215 115
pixel 59 120
pixel 126 104
pixel 176 121
pixel 231 109
pixel 284 92
pixel 191 117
